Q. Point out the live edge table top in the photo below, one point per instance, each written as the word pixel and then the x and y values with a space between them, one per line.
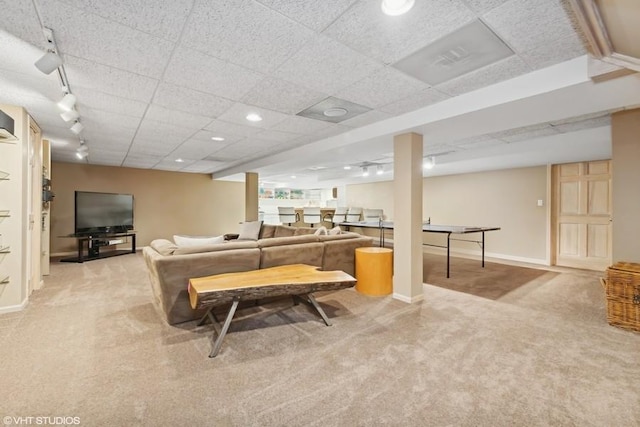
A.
pixel 275 281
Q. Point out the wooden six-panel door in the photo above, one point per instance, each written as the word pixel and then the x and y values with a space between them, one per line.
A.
pixel 582 214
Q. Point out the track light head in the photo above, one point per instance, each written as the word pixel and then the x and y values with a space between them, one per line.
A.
pixel 70 115
pixel 76 128
pixel 49 62
pixel 67 102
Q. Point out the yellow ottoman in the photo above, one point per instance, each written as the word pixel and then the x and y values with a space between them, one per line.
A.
pixel 374 271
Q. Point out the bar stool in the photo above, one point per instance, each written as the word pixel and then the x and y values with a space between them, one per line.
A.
pixel 288 215
pixel 338 216
pixel 353 215
pixel 372 215
pixel 311 216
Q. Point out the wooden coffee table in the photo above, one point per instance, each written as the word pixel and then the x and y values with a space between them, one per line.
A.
pixel 298 280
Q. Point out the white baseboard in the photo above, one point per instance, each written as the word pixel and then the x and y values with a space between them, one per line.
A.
pixel 468 253
pixel 14 308
pixel 409 300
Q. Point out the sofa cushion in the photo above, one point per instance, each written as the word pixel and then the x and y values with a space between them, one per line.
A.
pixel 302 231
pixel 250 230
pixel 184 241
pixel 247 244
pixel 282 241
pixel 163 246
pixel 267 231
pixel 335 231
pixel 284 231
pixel 342 236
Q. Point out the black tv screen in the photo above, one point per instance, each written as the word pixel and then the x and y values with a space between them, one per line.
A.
pixel 103 212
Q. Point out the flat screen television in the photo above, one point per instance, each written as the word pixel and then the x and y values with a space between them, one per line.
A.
pixel 103 213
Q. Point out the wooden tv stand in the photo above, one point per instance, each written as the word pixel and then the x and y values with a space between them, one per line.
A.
pixel 93 244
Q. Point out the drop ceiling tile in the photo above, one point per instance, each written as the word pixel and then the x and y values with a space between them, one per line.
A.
pixel 89 98
pixel 107 120
pixel 220 127
pixel 190 100
pixel 526 24
pixel 282 96
pixel 197 149
pixel 301 125
pixel 414 101
pixel 206 135
pixel 544 56
pixel 484 5
pixel 103 41
pixel 165 19
pixel 366 118
pixel 276 136
pixel 221 78
pixel 503 70
pixel 162 131
pixel 101 78
pixel 311 13
pixel 187 120
pixel 383 87
pixel 104 162
pixel 34 86
pixel 153 148
pixel 244 32
pixel 20 19
pixel 106 155
pixel 203 166
pixel 170 165
pixel 143 162
pixel 326 66
pixel 367 30
pixel 238 115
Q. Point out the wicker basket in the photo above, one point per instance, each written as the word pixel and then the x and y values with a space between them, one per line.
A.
pixel 622 288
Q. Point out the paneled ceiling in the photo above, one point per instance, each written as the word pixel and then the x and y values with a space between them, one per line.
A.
pixel 156 81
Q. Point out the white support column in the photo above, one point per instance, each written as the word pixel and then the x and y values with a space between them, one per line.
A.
pixel 250 196
pixel 407 206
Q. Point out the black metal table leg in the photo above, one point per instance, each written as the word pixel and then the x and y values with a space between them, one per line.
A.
pixel 448 252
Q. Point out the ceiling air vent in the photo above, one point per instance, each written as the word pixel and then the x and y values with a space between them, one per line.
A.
pixel 6 128
pixel 334 110
pixel 467 49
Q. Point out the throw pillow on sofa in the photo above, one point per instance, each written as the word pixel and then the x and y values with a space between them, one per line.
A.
pixel 335 230
pixel 185 241
pixel 321 231
pixel 250 230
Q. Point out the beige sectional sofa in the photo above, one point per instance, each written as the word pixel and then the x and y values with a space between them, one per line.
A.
pixel 171 267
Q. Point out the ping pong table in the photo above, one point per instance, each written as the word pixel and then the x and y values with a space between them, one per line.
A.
pixel 430 228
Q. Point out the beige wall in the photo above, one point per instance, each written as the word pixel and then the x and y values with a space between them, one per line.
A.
pixel 625 136
pixel 165 203
pixel 504 198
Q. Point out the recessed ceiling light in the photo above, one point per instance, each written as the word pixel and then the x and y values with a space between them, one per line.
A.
pixel 217 138
pixel 379 170
pixel 254 117
pixel 429 162
pixel 179 160
pixel 347 168
pixel 335 112
pixel 293 177
pixel 396 7
pixel 365 171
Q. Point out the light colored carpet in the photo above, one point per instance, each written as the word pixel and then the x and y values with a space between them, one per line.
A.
pixel 91 345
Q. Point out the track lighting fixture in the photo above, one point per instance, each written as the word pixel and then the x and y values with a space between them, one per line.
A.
pixel 67 102
pixel 365 171
pixel 49 62
pixel 379 170
pixel 76 128
pixel 70 115
pixel 429 162
pixel 82 151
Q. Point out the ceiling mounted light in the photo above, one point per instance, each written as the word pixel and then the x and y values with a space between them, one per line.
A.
pixel 179 160
pixel 379 170
pixel 254 117
pixel 365 171
pixel 83 151
pixel 335 112
pixel 347 168
pixel 429 162
pixel 70 115
pixel 49 62
pixel 67 102
pixel 76 128
pixel 217 138
pixel 396 7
